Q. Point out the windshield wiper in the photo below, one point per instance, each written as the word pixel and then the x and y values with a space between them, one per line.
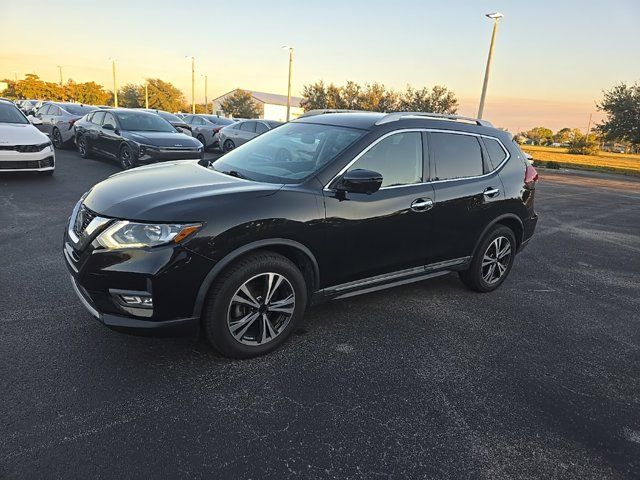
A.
pixel 234 173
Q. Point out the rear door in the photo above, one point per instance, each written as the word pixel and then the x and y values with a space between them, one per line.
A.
pixel 468 194
pixel 247 132
pixel 109 139
pixel 42 115
pixel 93 131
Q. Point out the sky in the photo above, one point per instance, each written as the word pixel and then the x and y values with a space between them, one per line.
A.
pixel 552 59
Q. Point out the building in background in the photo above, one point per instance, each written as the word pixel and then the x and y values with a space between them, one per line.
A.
pixel 273 106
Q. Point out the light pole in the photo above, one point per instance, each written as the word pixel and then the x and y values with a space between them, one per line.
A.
pixel 115 84
pixel 146 93
pixel 287 47
pixel 193 83
pixel 60 70
pixel 206 99
pixel 496 16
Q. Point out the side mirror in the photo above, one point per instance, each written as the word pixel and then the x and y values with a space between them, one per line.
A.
pixel 360 181
pixel 34 120
pixel 108 126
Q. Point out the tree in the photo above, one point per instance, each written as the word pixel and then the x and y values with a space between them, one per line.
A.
pixel 314 96
pixel 240 105
pixel 437 100
pixel 32 87
pixel 622 106
pixel 376 97
pixel 164 96
pixel 563 135
pixel 131 96
pixel 91 93
pixel 583 145
pixel 540 135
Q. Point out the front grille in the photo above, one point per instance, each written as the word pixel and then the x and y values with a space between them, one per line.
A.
pixel 83 219
pixel 25 148
pixel 25 164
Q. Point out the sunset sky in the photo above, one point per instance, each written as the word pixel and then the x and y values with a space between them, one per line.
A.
pixel 552 58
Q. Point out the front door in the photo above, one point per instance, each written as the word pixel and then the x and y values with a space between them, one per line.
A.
pixel 369 235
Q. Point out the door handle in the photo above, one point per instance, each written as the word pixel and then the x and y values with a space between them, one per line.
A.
pixel 421 204
pixel 491 192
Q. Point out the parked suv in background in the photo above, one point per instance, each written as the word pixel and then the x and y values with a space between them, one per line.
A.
pixel 58 120
pixel 241 247
pixel 206 127
pixel 235 135
pixel 133 137
pixel 22 147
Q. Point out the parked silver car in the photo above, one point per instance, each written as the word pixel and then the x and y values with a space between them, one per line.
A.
pixel 206 127
pixel 233 136
pixel 58 119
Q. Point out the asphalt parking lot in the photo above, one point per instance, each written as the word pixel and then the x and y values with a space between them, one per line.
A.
pixel 539 379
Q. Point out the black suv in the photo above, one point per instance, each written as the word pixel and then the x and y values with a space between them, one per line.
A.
pixel 240 247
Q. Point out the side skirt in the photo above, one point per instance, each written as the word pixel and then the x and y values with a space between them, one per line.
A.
pixel 389 280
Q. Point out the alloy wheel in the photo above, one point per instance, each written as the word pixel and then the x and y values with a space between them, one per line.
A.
pixel 125 158
pixel 57 138
pixel 261 309
pixel 495 261
pixel 82 146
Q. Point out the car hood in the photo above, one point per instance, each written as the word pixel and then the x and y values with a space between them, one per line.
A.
pixel 161 139
pixel 21 134
pixel 181 191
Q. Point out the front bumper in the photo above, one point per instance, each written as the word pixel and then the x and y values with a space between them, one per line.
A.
pixel 149 155
pixel 42 161
pixel 169 275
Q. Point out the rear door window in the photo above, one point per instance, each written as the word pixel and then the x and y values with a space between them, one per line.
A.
pixel 248 127
pixel 261 127
pixel 455 155
pixel 98 117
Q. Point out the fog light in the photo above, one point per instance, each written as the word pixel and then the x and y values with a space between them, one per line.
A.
pixel 139 301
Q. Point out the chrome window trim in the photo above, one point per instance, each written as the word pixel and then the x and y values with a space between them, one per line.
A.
pixel 436 130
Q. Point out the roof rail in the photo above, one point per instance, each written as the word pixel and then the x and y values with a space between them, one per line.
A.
pixel 323 111
pixel 395 116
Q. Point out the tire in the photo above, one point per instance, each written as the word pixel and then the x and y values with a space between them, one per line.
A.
pixel 56 139
pixel 228 145
pixel 83 146
pixel 201 139
pixel 228 307
pixel 126 158
pixel 499 242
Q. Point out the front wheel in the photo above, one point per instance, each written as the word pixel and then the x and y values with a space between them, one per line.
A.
pixel 254 305
pixel 126 157
pixel 492 262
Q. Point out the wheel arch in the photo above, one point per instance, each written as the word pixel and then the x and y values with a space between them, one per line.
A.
pixel 510 220
pixel 294 251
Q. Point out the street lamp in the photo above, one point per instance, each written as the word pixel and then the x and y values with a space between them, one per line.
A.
pixel 193 83
pixel 206 100
pixel 496 16
pixel 115 84
pixel 287 47
pixel 146 93
pixel 60 70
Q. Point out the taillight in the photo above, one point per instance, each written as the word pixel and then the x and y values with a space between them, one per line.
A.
pixel 72 122
pixel 530 176
pixel 216 130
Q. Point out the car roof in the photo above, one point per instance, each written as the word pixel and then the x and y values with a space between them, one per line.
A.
pixel 361 120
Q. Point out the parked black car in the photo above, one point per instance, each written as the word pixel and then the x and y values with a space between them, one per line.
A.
pixel 177 122
pixel 133 137
pixel 363 201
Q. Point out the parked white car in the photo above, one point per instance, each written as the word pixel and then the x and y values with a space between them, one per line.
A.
pixel 23 148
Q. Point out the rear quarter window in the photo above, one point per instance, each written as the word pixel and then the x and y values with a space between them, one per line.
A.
pixel 497 154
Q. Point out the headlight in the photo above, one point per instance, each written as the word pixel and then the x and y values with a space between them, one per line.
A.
pixel 124 234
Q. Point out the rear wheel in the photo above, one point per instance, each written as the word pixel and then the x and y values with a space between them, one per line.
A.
pixel 126 157
pixel 83 148
pixel 492 262
pixel 56 138
pixel 228 145
pixel 254 305
pixel 200 138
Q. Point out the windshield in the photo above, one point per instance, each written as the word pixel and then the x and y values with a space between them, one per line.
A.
pixel 10 114
pixel 288 154
pixel 143 122
pixel 170 117
pixel 78 109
